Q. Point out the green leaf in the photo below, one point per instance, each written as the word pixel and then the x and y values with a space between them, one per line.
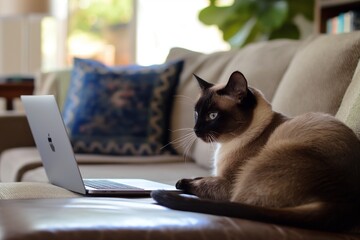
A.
pixel 243 34
pixel 288 30
pixel 254 35
pixel 213 15
pixel 272 14
pixel 231 29
pixel 304 7
pixel 233 24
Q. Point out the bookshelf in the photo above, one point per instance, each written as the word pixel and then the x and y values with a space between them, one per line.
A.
pixel 326 9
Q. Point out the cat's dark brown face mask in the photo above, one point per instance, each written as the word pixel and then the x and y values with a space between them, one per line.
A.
pixel 223 112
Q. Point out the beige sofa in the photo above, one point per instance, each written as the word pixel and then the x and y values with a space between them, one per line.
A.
pixel 318 74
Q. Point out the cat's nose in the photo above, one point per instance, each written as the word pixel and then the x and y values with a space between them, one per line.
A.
pixel 197 131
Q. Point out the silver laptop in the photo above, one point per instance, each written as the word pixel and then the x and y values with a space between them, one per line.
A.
pixel 53 144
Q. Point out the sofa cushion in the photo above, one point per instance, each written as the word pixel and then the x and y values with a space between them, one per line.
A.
pixel 120 111
pixel 349 111
pixel 262 63
pixel 17 161
pixel 30 190
pixel 319 75
pixel 24 164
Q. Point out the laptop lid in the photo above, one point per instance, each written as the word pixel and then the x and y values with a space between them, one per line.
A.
pixel 53 142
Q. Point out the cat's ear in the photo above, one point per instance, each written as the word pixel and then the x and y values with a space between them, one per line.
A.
pixel 236 87
pixel 202 83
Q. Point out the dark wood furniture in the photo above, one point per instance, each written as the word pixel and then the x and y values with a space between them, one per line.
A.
pixel 325 9
pixel 10 91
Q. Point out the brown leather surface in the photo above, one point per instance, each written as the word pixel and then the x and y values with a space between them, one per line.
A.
pixel 112 218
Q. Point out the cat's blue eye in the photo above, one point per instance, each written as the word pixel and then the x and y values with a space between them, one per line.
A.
pixel 196 115
pixel 213 115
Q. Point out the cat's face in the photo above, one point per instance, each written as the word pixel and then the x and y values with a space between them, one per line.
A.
pixel 223 112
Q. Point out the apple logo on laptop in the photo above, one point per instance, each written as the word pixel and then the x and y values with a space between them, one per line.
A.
pixel 51 143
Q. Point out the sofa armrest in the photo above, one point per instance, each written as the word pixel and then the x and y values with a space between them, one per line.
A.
pixel 14 131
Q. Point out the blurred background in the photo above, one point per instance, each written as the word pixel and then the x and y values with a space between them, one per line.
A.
pixel 45 35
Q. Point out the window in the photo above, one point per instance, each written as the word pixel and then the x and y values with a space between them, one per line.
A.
pixel 163 24
pixel 100 29
pixel 129 31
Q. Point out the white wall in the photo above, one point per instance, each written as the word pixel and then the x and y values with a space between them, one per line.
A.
pixel 20 45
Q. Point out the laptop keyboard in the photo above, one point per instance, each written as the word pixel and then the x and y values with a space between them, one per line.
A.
pixel 108 185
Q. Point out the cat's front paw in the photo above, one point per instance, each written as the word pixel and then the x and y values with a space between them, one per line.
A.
pixel 183 184
pixel 187 185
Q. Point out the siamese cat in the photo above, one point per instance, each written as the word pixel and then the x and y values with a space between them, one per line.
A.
pixel 302 171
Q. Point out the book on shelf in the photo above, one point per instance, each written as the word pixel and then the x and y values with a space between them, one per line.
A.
pixel 344 22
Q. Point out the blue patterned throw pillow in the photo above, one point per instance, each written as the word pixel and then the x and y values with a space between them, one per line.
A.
pixel 120 110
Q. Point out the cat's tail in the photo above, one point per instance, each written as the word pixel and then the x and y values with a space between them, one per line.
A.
pixel 317 215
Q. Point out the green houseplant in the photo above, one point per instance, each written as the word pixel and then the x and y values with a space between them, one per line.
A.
pixel 246 21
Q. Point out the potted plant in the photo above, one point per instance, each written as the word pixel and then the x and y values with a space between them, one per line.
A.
pixel 246 21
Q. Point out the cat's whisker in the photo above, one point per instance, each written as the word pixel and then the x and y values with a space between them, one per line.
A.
pixel 189 131
pixel 181 129
pixel 212 142
pixel 184 97
pixel 212 139
pixel 186 142
pixel 183 138
pixel 165 146
pixel 188 147
pixel 181 141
